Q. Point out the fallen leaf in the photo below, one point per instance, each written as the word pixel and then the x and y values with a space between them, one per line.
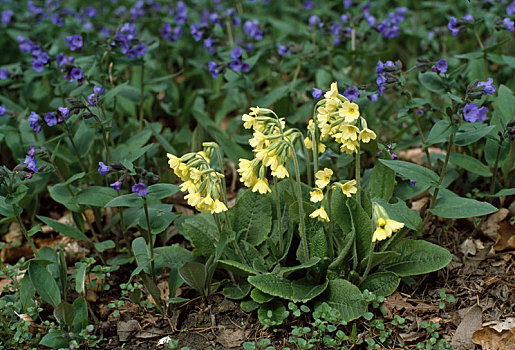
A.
pixel 491 225
pixel 498 337
pixel 505 237
pixel 231 337
pixel 126 329
pixel 471 322
pixel 10 255
pixel 468 247
pixel 419 204
pixel 150 333
pixel 165 290
pixel 14 235
pixel 416 154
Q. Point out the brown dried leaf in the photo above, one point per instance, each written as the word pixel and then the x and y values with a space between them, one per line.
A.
pixel 14 235
pixel 126 329
pixel 11 255
pixel 498 337
pixel 471 322
pixel 505 237
pixel 231 337
pixel 416 154
pixel 491 225
pixel 420 204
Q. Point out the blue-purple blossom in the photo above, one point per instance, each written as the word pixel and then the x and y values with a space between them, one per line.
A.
pixel 4 74
pixel 235 65
pixel 103 169
pixel 75 42
pixel 214 69
pixel 344 18
pixel 181 13
pixel 308 4
pixel 38 66
pixel 347 4
pixel 394 156
pixel 317 93
pixel 91 11
pixel 24 44
pixel 65 112
pixel 117 185
pixel 7 17
pixel 389 27
pixel 440 67
pixel 34 122
pixel 472 113
pixel 61 59
pixel 510 10
pixel 236 52
pixel 371 20
pixel 468 18
pixel 98 90
pixel 283 50
pixel 489 87
pixel 508 24
pixel 420 111
pixel 314 21
pixel 169 33
pixel 251 29
pixel 32 151
pixel 373 97
pixel 412 183
pixel 245 67
pixel 196 33
pixel 140 189
pixel 56 19
pixel 453 26
pixel 50 119
pixel 31 163
pixel 351 93
pixel 2 110
pixel 76 74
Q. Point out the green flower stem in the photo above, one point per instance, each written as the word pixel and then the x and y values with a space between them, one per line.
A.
pixel 358 174
pixel 496 164
pixel 421 134
pixel 485 60
pixel 229 32
pixel 370 253
pixel 150 239
pixel 279 219
pixel 295 76
pixel 302 227
pixel 24 230
pixel 70 136
pixel 104 135
pixel 308 165
pixel 315 142
pixel 509 165
pixel 331 239
pixel 437 189
pixel 142 94
pixel 224 186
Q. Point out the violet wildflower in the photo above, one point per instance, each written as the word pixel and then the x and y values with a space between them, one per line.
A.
pixel 472 113
pixel 489 87
pixel 32 151
pixel 245 67
pixel 4 74
pixel 420 111
pixel 453 26
pixel 34 122
pixel 394 156
pixel 103 169
pixel 38 66
pixel 283 50
pixel 235 65
pixel 373 97
pixel 351 93
pixel 65 112
pixel 31 163
pixel 91 11
pixel 308 4
pixel 75 42
pixel 440 67
pixel 196 33
pixel 181 12
pixel 468 18
pixel 317 93
pixel 508 24
pixel 25 45
pixel 251 29
pixel 76 74
pixel 236 52
pixel 314 21
pixel 117 185
pixel 50 119
pixel 169 33
pixel 7 17
pixel 412 183
pixel 2 110
pixel 344 18
pixel 140 189
pixel 61 59
pixel 347 4
pixel 214 70
pixel 510 10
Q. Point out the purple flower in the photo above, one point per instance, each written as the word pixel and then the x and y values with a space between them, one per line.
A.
pixel 510 10
pixel 440 66
pixel 65 112
pixel 140 189
pixel 169 33
pixel 34 122
pixel 76 74
pixel 4 74
pixel 489 87
pixel 308 4
pixel 317 93
pixel 74 42
pixel 347 4
pixel 373 97
pixel 351 93
pixel 420 111
pixel 92 99
pixel 2 110
pixel 56 19
pixel 25 45
pixel 7 17
pixel 213 69
pixel 468 18
pixel 235 65
pixel 379 67
pixel 31 163
pixel 245 67
pixel 181 12
pixel 103 169
pixel 196 33
pixel 117 185
pixel 412 183
pixel 236 52
pixel 50 119
pixel 472 113
pixel 283 50
pixel 61 59
pixel 453 26
pixel 98 90
pixel 251 29
pixel 380 80
pixel 394 156
pixel 91 11
pixel 38 66
pixel 314 21
pixel 344 18
pixel 336 29
pixel 32 151
pixel 508 24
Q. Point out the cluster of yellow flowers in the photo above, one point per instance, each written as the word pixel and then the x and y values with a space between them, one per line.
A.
pixel 271 145
pixel 338 118
pixel 323 179
pixel 385 226
pixel 202 182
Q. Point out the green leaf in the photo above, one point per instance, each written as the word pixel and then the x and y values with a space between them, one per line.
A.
pixel 455 207
pixel 63 229
pixel 81 314
pixel 418 257
pixel 27 292
pixel 432 82
pixel 160 218
pixel 61 194
pixel 44 284
pixel 381 283
pixel 382 182
pixel 195 275
pixel 80 278
pixel 273 313
pixel 471 132
pixel 249 305
pixel 125 90
pixel 297 291
pixel 74 178
pixel 237 267
pixel 55 340
pixel 470 164
pixel 412 171
pixel 237 291
pixel 347 298
pixel 19 193
pixel 339 211
pixel 251 217
pixel 65 313
pixel 160 191
pixel 260 297
pixel 171 256
pixel 97 196
pixel 286 271
pixel 201 233
pixel 504 192
pixel 273 96
pixel 506 102
pixel 103 246
pixel 363 226
pixel 440 132
pixel 131 200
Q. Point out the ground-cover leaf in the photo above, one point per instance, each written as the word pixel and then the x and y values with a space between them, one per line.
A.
pixel 440 132
pixel 455 207
pixel 131 200
pixel 260 297
pixel 470 164
pixel 417 257
pixel 194 274
pixel 237 267
pixel 382 182
pixel 97 196
pixel 63 229
pixel 80 320
pixel 273 313
pixel 162 190
pixel 44 284
pixel 346 298
pixel 432 82
pixel 381 283
pixel 55 340
pixel 412 171
pixel 362 226
pixel 65 313
pixel 201 233
pixel 296 291
pixel 238 290
pixel 251 217
pixel 471 132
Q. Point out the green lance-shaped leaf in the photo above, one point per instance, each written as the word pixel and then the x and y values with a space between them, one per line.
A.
pixel 44 284
pixel 201 233
pixel 195 275
pixel 347 298
pixel 363 226
pixel 297 291
pixel 381 283
pixel 412 171
pixel 81 314
pixel 451 206
pixel 63 229
pixel 65 313
pixel 382 182
pixel 418 257
pixel 252 217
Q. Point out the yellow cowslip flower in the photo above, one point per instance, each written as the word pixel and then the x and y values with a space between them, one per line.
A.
pixel 323 115
pixel 349 132
pixel 261 186
pixel 325 131
pixel 247 175
pixel 204 155
pixel 332 104
pixel 249 121
pixel 321 148
pixel 349 111
pixel 366 135
pixel 280 172
pixel 323 177
pixel 188 186
pixel 320 214
pixel 258 141
pixel 392 226
pixel 333 92
pixel 218 207
pixel 349 147
pixel 316 195
pixel 193 198
pixel 195 175
pixel 173 161
pixel 182 171
pixel 349 188
pixel 254 111
pixel 206 204
pixel 308 143
pixel 379 234
pixel 273 161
